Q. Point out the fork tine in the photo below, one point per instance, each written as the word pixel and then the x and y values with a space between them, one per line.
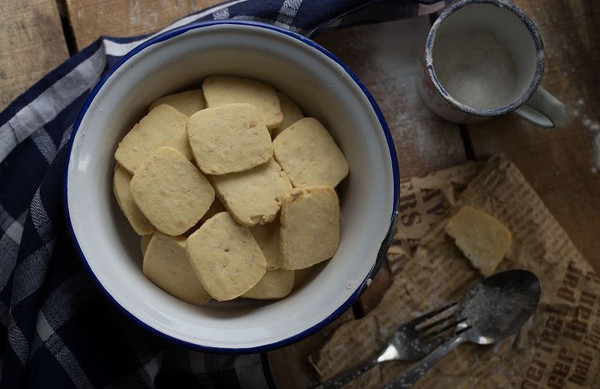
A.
pixel 436 323
pixel 443 335
pixel 436 338
pixel 415 322
pixel 460 331
pixel 451 325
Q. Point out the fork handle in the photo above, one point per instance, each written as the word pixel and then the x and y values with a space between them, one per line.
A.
pixel 418 370
pixel 342 379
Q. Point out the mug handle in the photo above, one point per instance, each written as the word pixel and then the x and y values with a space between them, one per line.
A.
pixel 543 109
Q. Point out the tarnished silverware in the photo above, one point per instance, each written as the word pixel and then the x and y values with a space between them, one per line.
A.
pixel 410 342
pixel 494 309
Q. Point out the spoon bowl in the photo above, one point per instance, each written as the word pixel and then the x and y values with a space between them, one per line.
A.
pixel 513 296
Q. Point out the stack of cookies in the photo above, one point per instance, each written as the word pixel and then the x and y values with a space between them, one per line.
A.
pixel 232 190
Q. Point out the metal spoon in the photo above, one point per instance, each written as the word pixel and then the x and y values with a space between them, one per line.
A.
pixel 494 309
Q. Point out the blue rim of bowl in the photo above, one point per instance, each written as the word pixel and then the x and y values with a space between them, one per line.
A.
pixel 384 244
pixel 535 36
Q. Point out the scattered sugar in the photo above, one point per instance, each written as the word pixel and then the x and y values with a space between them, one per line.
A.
pixel 510 302
pixel 593 127
pixel 596 151
pixel 578 105
pixel 593 133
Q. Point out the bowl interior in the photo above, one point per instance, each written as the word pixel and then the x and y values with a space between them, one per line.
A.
pixel 323 88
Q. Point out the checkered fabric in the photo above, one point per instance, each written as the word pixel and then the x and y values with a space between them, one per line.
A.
pixel 57 329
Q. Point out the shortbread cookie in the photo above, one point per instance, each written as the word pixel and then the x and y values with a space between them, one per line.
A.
pixel 171 192
pixel 225 257
pixel 310 227
pixel 309 155
pixel 136 218
pixel 216 207
pixel 229 138
pixel 267 237
pixel 188 102
pixel 166 265
pixel 482 238
pixel 291 113
pixel 301 275
pixel 253 196
pixel 144 241
pixel 163 126
pixel 221 90
pixel 275 284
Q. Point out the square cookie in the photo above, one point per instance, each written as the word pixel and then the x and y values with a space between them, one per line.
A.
pixel 275 284
pixel 309 155
pixel 221 90
pixel 310 227
pixel 188 102
pixel 291 113
pixel 482 238
pixel 267 237
pixel 163 126
pixel 253 196
pixel 166 264
pixel 171 192
pixel 225 257
pixel 229 138
pixel 136 218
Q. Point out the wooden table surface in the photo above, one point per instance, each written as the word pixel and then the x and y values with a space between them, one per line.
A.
pixel 562 164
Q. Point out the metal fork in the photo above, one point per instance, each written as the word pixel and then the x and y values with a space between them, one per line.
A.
pixel 411 341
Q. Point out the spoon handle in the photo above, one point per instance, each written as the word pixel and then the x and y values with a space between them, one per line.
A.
pixel 418 370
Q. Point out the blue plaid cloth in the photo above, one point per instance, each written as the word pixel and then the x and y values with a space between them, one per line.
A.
pixel 57 329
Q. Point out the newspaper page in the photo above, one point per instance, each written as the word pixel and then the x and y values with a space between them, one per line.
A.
pixel 559 347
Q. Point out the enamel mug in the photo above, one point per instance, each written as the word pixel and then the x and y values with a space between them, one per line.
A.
pixel 485 58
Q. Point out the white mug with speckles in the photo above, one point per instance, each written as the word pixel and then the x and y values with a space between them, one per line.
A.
pixel 485 58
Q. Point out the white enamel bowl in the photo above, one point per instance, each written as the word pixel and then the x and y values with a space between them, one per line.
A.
pixel 324 88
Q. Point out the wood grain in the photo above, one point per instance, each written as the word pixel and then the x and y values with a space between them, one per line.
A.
pixel 385 58
pixel 122 18
pixel 562 164
pixel 31 44
pixel 289 365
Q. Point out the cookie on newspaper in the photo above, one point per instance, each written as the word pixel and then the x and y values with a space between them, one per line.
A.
pixel 310 227
pixel 253 196
pixel 136 218
pixel 229 138
pixel 163 126
pixel 309 155
pixel 221 90
pixel 166 265
pixel 171 192
pixel 188 102
pixel 481 237
pixel 225 257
